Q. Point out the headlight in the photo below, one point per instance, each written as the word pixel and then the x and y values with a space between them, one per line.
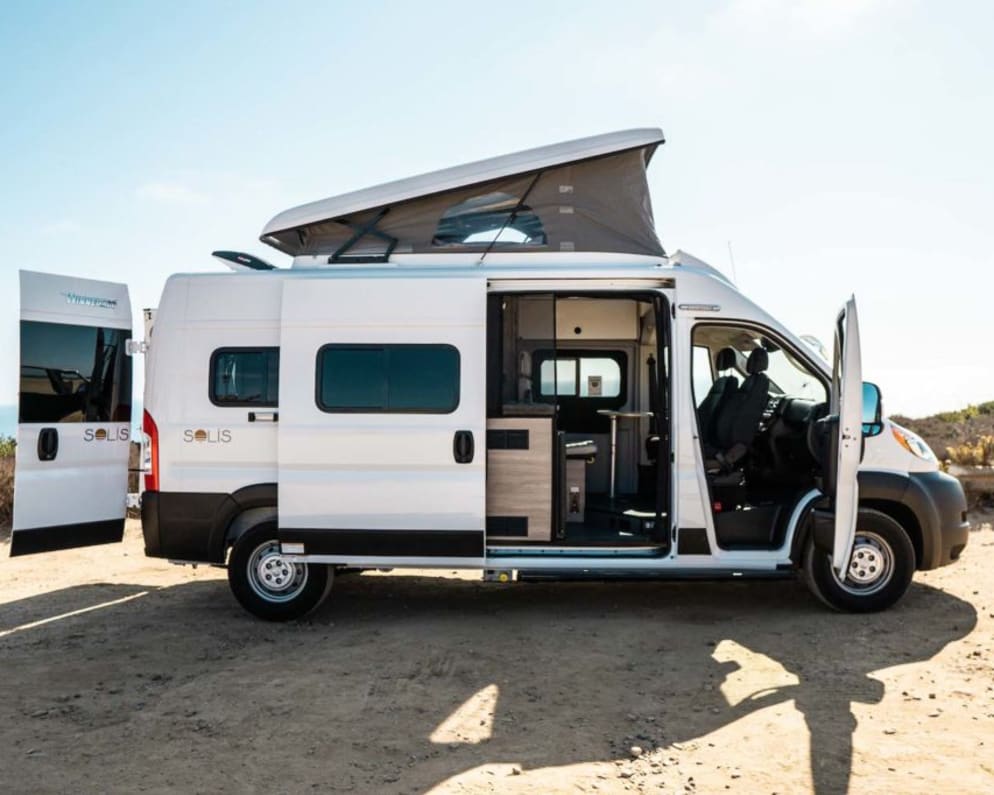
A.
pixel 912 442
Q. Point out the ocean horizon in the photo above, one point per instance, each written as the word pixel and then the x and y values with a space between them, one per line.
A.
pixel 8 420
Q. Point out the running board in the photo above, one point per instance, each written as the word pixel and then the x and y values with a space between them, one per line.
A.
pixel 576 552
pixel 587 575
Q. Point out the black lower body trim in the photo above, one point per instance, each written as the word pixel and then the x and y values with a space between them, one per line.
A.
pixel 65 536
pixel 387 543
pixel 180 525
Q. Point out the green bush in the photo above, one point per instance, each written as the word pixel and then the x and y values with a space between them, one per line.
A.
pixel 979 453
pixel 7 445
pixel 962 415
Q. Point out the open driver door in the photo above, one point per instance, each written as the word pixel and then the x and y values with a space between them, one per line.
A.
pixel 842 448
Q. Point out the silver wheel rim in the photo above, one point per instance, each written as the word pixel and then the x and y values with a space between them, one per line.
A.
pixel 272 577
pixel 871 566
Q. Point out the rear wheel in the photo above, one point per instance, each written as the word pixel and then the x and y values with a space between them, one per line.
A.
pixel 267 584
pixel 879 571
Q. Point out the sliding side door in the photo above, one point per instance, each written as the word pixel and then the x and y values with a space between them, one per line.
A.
pixel 382 421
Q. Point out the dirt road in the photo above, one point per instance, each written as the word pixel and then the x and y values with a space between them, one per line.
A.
pixel 125 674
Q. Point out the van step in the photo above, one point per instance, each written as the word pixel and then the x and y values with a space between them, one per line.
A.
pixel 586 575
pixel 576 552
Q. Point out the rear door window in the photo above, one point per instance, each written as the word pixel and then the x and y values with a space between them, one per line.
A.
pixel 74 373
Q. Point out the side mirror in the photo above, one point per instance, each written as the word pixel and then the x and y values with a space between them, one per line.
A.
pixel 872 409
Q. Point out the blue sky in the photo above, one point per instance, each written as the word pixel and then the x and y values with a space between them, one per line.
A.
pixel 840 145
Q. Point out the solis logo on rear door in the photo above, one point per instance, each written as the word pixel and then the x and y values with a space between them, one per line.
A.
pixel 211 436
pixel 106 434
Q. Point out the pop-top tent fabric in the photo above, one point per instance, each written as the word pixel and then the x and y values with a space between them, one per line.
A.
pixel 584 195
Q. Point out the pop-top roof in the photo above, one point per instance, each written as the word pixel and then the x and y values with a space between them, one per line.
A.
pixel 584 195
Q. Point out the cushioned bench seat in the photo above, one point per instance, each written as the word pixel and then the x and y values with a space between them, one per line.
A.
pixel 585 448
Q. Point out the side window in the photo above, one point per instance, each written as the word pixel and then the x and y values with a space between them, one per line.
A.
pixel 703 373
pixel 245 377
pixel 582 376
pixel 74 373
pixel 388 378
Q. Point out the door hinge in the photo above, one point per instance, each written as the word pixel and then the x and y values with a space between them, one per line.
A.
pixel 136 347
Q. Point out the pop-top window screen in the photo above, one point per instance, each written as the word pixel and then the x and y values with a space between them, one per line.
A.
pixel 495 218
pixel 245 377
pixel 74 373
pixel 388 378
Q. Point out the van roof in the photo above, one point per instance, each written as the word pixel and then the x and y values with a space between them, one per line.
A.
pixel 589 194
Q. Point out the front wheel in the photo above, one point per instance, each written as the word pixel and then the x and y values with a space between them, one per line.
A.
pixel 879 572
pixel 270 586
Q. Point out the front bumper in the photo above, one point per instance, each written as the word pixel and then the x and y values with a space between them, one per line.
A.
pixel 942 513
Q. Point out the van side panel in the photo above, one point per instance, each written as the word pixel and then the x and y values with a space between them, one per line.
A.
pixel 209 449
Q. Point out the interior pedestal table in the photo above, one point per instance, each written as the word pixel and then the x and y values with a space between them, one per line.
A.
pixel 615 416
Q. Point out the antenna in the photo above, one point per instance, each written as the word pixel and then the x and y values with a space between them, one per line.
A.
pixel 731 260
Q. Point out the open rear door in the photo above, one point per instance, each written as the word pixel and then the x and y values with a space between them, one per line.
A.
pixel 74 413
pixel 847 405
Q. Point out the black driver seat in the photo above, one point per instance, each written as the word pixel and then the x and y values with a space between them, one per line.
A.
pixel 721 391
pixel 737 420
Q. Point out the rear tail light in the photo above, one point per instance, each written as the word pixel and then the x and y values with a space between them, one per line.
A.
pixel 150 446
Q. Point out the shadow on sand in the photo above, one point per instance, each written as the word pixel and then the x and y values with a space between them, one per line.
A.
pixel 367 695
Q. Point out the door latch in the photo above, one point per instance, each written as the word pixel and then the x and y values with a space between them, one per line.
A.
pixel 463 447
pixel 48 444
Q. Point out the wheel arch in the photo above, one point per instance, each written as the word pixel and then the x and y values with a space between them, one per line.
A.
pixel 904 516
pixel 244 508
pixel 891 493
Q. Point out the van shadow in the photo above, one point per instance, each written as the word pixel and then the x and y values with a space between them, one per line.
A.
pixel 400 683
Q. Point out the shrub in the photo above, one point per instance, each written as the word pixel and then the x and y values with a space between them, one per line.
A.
pixel 7 445
pixel 6 489
pixel 979 453
pixel 962 415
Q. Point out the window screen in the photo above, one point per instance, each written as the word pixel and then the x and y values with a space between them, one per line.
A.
pixel 245 377
pixel 74 373
pixel 388 378
pixel 491 219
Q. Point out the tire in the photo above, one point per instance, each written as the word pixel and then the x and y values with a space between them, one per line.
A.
pixel 880 572
pixel 295 588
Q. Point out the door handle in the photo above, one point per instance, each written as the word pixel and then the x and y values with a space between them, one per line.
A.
pixel 263 416
pixel 48 444
pixel 463 447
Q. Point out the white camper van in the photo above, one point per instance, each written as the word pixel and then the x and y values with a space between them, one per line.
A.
pixel 495 366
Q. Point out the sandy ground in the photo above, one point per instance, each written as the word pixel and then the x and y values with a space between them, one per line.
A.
pixel 125 674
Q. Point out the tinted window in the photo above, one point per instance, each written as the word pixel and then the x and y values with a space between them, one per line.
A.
pixel 245 377
pixel 74 373
pixel 388 378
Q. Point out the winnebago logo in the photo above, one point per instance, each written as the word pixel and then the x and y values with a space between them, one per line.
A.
pixel 90 300
pixel 104 435
pixel 215 436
